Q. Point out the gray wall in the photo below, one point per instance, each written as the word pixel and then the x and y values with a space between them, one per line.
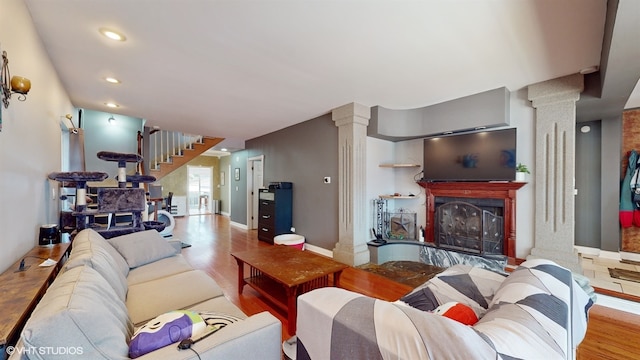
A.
pixel 99 135
pixel 588 183
pixel 611 176
pixel 303 154
pixel 238 188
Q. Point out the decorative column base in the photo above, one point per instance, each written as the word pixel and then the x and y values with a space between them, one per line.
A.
pixel 354 256
pixel 569 260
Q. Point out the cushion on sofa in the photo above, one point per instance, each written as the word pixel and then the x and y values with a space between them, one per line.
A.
pixel 165 329
pixel 158 269
pixel 87 252
pixel 142 247
pixel 257 337
pixel 149 299
pixel 175 326
pixel 530 312
pixel 98 240
pixel 219 304
pixel 81 312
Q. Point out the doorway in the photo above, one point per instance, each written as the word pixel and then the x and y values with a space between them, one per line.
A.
pixel 200 185
pixel 255 169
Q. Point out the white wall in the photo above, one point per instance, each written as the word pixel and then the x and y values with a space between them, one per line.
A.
pixel 30 137
pixel 401 180
pixel 523 118
pixel 379 180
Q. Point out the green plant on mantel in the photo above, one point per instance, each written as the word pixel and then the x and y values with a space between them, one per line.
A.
pixel 522 168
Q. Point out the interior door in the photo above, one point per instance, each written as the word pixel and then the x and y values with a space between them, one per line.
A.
pixel 257 183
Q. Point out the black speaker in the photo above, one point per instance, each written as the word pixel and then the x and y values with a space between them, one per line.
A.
pixel 49 234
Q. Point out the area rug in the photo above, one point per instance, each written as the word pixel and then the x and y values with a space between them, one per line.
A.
pixel 410 273
pixel 624 274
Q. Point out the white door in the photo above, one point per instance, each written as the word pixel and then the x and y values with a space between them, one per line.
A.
pixel 256 170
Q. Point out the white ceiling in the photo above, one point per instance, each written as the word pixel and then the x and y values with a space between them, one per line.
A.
pixel 240 69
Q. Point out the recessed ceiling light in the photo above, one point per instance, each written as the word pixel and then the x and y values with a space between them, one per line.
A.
pixel 112 80
pixel 112 105
pixel 223 149
pixel 112 34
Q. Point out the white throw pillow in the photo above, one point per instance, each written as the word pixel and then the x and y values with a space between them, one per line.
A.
pixel 142 247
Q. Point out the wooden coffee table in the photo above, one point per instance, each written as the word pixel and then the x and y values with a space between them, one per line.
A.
pixel 281 273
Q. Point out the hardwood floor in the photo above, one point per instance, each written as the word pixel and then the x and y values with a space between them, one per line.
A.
pixel 611 334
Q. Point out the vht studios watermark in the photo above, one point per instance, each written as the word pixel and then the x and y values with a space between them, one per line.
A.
pixel 46 350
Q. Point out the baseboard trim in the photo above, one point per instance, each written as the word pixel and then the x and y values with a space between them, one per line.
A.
pixel 629 256
pixel 612 255
pixel 587 250
pixel 238 225
pixel 318 250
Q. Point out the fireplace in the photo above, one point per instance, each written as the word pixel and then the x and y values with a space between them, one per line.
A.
pixel 461 225
pixel 473 217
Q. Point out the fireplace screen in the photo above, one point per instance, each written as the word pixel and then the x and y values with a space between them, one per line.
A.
pixel 465 227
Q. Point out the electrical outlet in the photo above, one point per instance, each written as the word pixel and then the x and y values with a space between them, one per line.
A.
pixel 327 180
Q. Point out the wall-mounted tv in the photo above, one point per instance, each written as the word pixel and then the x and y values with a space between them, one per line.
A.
pixel 478 156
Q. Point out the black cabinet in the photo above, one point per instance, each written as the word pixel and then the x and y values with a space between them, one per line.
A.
pixel 274 213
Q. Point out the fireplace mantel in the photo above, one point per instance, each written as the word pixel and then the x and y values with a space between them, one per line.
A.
pixel 478 190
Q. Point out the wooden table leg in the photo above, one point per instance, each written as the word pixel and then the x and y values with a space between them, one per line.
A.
pixel 292 308
pixel 241 282
pixel 336 278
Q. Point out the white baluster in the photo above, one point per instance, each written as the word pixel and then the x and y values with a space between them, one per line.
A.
pixel 155 150
pixel 167 148
pixel 173 142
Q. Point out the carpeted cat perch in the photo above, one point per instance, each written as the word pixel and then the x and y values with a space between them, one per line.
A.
pixel 112 200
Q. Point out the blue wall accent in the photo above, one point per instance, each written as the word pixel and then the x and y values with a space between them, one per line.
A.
pixel 99 135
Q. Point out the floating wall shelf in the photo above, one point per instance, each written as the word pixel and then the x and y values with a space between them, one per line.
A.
pixel 397 197
pixel 399 165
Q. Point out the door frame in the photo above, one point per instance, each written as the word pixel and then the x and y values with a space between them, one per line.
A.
pixel 211 184
pixel 252 191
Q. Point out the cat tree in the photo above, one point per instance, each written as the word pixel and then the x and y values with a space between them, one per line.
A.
pixel 111 200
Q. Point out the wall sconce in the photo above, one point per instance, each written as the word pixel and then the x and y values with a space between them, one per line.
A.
pixel 18 85
pixel 111 120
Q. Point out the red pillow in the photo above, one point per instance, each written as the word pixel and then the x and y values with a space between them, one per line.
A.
pixel 458 312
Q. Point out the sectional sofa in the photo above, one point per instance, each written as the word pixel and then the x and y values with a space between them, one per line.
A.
pixel 109 288
pixel 537 312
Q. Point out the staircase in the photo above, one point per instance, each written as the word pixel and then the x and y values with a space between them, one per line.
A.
pixel 170 150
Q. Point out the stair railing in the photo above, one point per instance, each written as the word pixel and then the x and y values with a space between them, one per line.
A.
pixel 166 144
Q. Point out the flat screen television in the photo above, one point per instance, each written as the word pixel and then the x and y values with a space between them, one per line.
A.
pixel 478 156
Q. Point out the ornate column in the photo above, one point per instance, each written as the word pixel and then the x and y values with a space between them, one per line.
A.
pixel 352 121
pixel 555 104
